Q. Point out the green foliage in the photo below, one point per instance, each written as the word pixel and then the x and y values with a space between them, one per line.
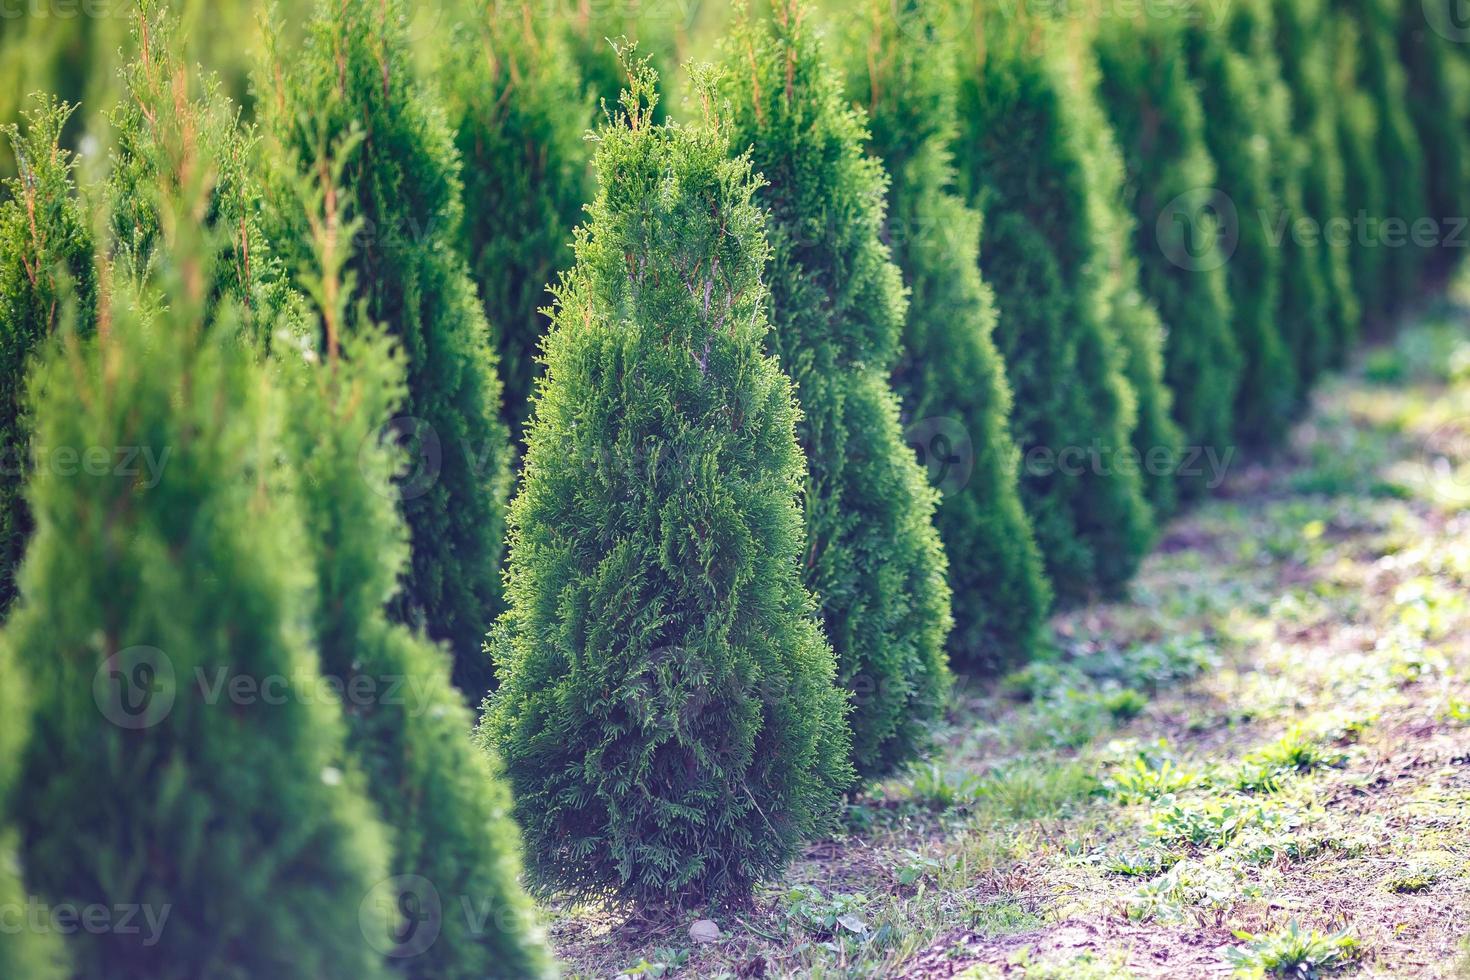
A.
pixel 456 853
pixel 1385 163
pixel 46 267
pixel 1156 114
pixel 165 109
pixel 1303 44
pixel 519 112
pixel 1029 176
pixel 1235 118
pixel 667 711
pixel 1437 93
pixel 874 559
pixel 595 31
pixel 355 74
pixel 1302 315
pixel 950 377
pixel 75 51
pixel 1135 319
pixel 1295 752
pixel 178 730
pixel 24 953
pixel 1292 952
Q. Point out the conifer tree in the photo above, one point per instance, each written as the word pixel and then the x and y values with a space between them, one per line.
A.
pixel 355 72
pixel 950 377
pixel 1304 45
pixel 667 712
pixel 1438 95
pixel 1156 115
pixel 1231 96
pixel 873 559
pixel 45 256
pixel 26 951
pixel 1303 316
pixel 177 730
pixel 1385 162
pixel 1027 173
pixel 455 853
pixel 166 105
pixel 520 114
pixel 1136 323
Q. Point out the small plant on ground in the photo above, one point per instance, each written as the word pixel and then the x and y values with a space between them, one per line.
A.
pixel 1292 952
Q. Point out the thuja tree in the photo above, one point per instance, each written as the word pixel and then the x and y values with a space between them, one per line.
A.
pixel 165 108
pixel 1303 317
pixel 1135 320
pixel 355 73
pixel 519 111
pixel 46 263
pixel 667 712
pixel 455 856
pixel 26 951
pixel 1156 115
pixel 1236 137
pixel 949 376
pixel 1385 176
pixel 177 728
pixel 1437 93
pixel 1303 43
pixel 1027 173
pixel 873 558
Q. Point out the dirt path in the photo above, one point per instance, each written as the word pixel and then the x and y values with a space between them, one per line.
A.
pixel 1260 760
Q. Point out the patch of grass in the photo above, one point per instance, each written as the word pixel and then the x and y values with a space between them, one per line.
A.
pixel 1030 791
pixel 1295 752
pixel 1292 952
pixel 1126 704
pixel 1002 917
pixel 810 912
pixel 1210 823
pixel 1437 352
pixel 1147 777
pixel 1191 887
pixel 664 963
pixel 1141 864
